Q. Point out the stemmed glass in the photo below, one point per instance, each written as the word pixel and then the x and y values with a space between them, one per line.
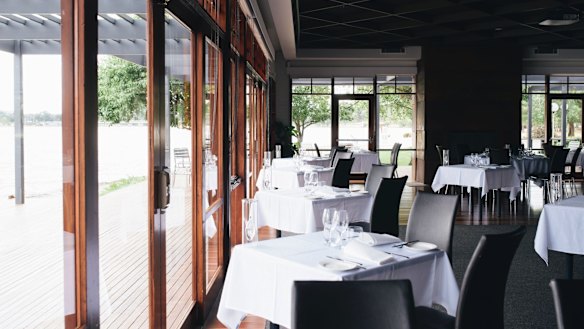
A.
pixel 341 218
pixel 249 219
pixel 328 224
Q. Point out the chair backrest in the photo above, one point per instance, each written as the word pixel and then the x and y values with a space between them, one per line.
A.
pixel 317 150
pixel 559 161
pixel 432 219
pixel 383 304
pixel 439 149
pixel 341 155
pixel 395 153
pixel 374 177
pixel 482 293
pixel 181 157
pixel 499 156
pixel 548 150
pixel 385 211
pixel 568 295
pixel 342 173
pixel 574 160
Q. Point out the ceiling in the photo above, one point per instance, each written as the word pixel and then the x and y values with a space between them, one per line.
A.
pixel 392 24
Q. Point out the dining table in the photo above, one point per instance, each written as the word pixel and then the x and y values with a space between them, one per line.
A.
pixel 561 228
pixel 261 275
pixel 292 177
pixel 483 177
pixel 364 161
pixel 532 165
pixel 307 160
pixel 299 211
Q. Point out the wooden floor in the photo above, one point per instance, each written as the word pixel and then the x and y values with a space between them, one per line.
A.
pixel 524 211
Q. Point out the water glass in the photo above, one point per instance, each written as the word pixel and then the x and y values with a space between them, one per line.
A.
pixel 267 158
pixel 249 220
pixel 328 224
pixel 341 218
pixel 354 232
pixel 267 179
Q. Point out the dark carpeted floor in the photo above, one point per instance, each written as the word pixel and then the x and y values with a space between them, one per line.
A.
pixel 528 300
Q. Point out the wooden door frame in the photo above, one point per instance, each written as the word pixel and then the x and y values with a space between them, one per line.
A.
pixel 372 144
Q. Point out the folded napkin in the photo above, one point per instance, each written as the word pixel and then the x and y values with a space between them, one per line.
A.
pixel 376 239
pixel 359 250
pixel 331 192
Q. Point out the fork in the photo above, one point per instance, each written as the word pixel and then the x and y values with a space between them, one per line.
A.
pixel 399 245
pixel 359 265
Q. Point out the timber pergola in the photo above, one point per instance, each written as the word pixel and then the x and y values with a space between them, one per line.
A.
pixel 33 27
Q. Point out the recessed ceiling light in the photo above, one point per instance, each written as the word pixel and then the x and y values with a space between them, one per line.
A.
pixel 498 29
pixel 561 20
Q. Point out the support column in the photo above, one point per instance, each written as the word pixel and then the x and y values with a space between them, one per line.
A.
pixel 18 126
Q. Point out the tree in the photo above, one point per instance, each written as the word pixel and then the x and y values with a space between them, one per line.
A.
pixel 396 108
pixel 121 90
pixel 309 109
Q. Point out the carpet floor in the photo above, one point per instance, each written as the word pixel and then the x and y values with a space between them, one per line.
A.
pixel 528 298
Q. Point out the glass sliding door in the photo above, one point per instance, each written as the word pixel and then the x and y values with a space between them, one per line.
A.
pixel 179 158
pixel 354 122
pixel 123 137
pixel 566 120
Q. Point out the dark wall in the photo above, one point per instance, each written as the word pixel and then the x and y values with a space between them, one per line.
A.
pixel 466 96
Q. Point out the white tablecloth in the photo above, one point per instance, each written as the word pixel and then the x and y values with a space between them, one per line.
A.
pixel 260 278
pixel 290 210
pixel 561 228
pixel 289 177
pixel 289 162
pixel 364 160
pixel 488 179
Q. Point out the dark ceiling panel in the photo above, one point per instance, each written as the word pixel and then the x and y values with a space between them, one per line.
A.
pixel 379 23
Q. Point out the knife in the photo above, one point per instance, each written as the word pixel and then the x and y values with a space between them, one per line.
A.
pixel 347 261
pixel 399 245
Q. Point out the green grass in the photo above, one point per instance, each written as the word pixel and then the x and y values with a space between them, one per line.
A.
pixel 404 158
pixel 121 183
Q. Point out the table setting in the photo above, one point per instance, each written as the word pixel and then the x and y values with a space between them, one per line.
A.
pixel 260 277
pixel 299 210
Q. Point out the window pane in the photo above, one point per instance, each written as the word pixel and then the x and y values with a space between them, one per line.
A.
pixel 558 79
pixel 395 120
pixel 558 88
pixel 343 85
pixel 576 88
pixel 179 217
pixel 354 123
pixel 536 105
pixel 363 89
pixel 37 254
pixel 574 120
pixel 311 116
pixel 123 169
pixel 535 89
pixel 321 86
pixel 386 88
pixel 405 89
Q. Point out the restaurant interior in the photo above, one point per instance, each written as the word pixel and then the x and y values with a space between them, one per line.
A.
pixel 292 164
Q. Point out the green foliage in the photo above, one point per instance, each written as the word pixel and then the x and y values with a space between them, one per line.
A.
pixel 396 108
pixel 6 118
pixel 283 134
pixel 121 90
pixel 308 110
pixel 119 184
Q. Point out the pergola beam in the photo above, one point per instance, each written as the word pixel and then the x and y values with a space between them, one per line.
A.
pixel 54 7
pixel 18 127
pixel 121 30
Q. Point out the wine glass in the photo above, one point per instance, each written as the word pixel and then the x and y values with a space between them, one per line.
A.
pixel 307 182
pixel 327 224
pixel 313 180
pixel 341 218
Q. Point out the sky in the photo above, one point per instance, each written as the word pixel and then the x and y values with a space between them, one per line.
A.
pixel 41 83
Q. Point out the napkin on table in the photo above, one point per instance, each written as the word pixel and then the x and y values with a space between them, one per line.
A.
pixel 359 250
pixel 376 239
pixel 331 192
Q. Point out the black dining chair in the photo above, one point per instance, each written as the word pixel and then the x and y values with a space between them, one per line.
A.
pixel 557 166
pixel 317 150
pixel 570 176
pixel 385 211
pixel 342 173
pixel 341 155
pixel 377 173
pixel 432 219
pixel 439 149
pixel 499 156
pixel 482 293
pixel 383 304
pixel 394 157
pixel 569 304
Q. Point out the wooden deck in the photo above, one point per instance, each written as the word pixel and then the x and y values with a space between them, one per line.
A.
pixel 32 258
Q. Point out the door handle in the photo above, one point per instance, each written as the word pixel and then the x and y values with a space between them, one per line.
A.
pixel 162 187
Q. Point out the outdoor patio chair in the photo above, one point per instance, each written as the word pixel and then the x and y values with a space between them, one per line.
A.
pixel 394 155
pixel 182 163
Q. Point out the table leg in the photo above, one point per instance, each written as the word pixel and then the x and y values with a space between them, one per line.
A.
pixel 569 266
pixel 480 196
pixel 278 233
pixel 499 201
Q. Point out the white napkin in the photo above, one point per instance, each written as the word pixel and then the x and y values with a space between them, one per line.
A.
pixel 361 251
pixel 329 191
pixel 376 239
